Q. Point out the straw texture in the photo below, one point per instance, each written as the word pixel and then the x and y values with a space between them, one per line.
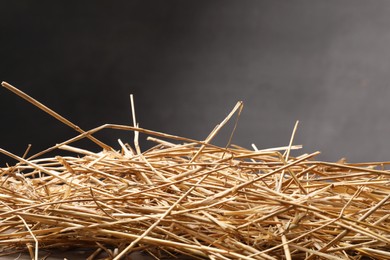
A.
pixel 194 198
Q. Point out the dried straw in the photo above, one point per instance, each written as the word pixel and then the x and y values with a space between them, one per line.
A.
pixel 191 197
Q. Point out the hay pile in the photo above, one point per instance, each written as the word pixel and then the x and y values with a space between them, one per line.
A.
pixel 191 197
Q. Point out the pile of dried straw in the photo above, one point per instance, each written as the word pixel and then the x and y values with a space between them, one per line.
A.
pixel 191 197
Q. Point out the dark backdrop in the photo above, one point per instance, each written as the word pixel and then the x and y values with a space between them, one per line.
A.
pixel 325 63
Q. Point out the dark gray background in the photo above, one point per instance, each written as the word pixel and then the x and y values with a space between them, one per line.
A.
pixel 325 63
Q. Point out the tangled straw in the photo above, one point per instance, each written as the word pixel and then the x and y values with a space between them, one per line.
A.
pixel 193 198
